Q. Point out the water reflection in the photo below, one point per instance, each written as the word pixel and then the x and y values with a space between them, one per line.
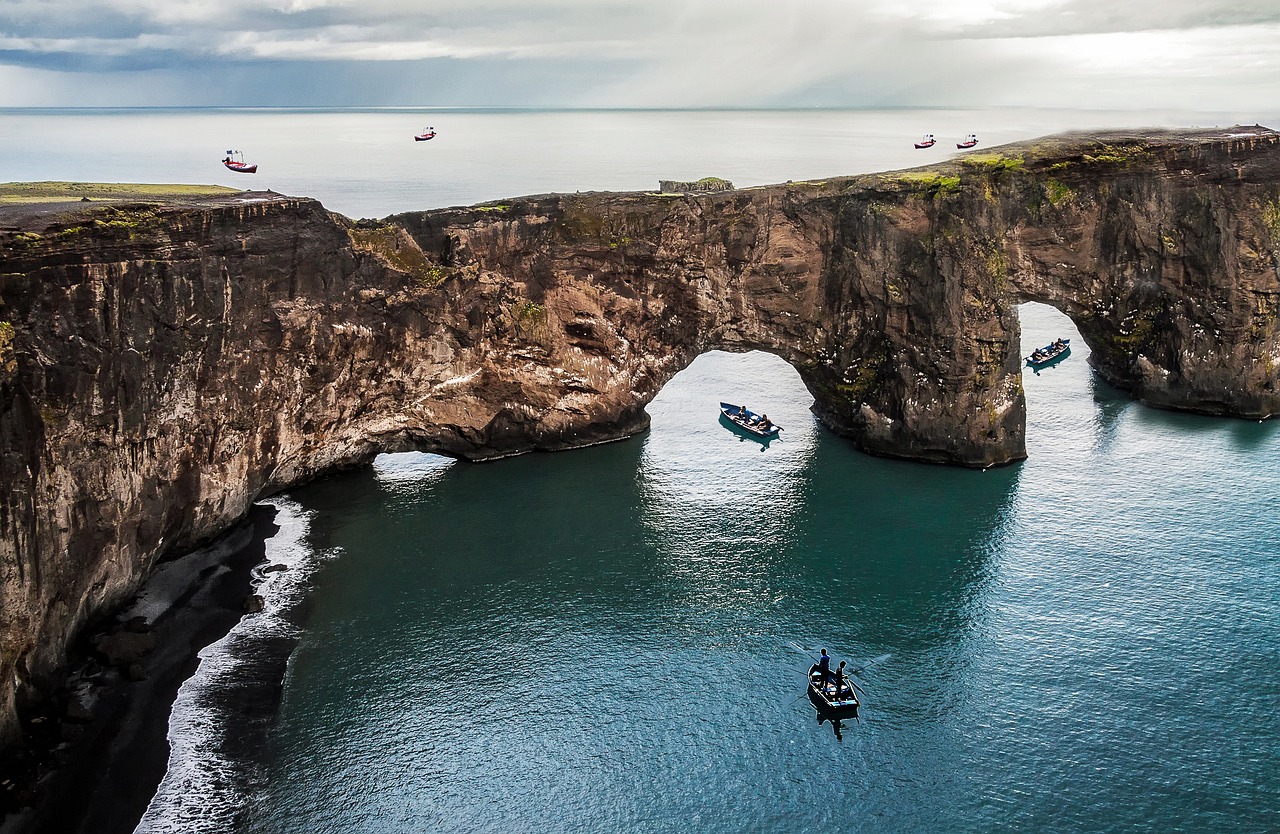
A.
pixel 600 639
pixel 839 555
pixel 837 723
pixel 1247 435
pixel 720 516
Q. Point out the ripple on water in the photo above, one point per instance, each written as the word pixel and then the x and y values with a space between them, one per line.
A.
pixel 601 640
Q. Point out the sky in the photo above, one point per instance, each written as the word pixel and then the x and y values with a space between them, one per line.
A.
pixel 1180 54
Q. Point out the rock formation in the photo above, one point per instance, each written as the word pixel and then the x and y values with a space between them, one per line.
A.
pixel 164 365
pixel 706 185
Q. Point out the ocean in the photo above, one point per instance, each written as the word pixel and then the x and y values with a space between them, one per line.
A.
pixel 366 163
pixel 616 638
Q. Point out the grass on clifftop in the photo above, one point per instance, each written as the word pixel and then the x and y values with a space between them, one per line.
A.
pixel 56 192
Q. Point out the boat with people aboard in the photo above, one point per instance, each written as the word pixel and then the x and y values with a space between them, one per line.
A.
pixel 744 419
pixel 969 141
pixel 830 696
pixel 429 133
pixel 927 141
pixel 1050 353
pixel 234 160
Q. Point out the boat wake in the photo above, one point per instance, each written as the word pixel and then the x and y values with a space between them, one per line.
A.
pixel 223 711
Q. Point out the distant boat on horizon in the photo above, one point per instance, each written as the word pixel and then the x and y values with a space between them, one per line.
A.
pixel 234 161
pixel 429 133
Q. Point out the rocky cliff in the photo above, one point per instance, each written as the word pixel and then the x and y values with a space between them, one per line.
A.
pixel 163 365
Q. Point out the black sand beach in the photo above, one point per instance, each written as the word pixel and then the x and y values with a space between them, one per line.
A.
pixel 94 757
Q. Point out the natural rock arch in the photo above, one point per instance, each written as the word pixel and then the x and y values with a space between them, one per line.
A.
pixel 161 367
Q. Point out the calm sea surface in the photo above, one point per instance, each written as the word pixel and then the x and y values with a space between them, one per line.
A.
pixel 366 164
pixel 602 640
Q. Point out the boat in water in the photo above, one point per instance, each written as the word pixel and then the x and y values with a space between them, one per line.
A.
pixel 824 695
pixel 1053 352
pixel 234 160
pixel 927 141
pixel 969 141
pixel 429 133
pixel 748 422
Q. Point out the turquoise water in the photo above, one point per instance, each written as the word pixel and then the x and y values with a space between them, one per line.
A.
pixel 599 640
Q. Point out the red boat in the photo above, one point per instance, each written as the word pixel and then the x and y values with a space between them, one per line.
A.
pixel 429 133
pixel 927 142
pixel 969 142
pixel 234 161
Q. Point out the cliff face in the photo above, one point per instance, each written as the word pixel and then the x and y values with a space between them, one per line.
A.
pixel 163 366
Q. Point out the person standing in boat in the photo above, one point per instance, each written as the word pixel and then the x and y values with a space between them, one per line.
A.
pixel 842 680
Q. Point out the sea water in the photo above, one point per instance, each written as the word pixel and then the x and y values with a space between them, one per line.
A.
pixel 616 638
pixel 367 164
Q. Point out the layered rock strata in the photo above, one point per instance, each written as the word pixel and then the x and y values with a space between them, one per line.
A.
pixel 162 366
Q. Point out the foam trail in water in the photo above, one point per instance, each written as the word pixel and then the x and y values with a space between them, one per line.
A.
pixel 209 779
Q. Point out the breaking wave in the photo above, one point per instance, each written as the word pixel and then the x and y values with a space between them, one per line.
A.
pixel 223 711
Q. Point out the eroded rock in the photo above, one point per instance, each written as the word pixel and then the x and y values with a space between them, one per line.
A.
pixel 163 366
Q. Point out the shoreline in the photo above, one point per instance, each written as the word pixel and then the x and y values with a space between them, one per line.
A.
pixel 95 756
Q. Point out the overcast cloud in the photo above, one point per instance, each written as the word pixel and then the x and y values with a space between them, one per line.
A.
pixel 1082 53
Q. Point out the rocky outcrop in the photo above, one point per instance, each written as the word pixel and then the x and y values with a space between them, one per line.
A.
pixel 162 366
pixel 706 185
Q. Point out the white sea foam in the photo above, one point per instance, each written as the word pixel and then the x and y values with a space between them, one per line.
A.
pixel 204 788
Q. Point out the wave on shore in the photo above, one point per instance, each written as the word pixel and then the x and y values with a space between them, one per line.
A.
pixel 223 711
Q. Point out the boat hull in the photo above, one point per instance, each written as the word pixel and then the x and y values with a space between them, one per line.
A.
pixel 1052 357
pixel 243 169
pixel 823 697
pixel 963 145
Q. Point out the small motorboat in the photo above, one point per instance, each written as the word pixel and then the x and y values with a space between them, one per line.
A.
pixel 927 141
pixel 743 419
pixel 824 696
pixel 969 141
pixel 429 133
pixel 234 160
pixel 1050 353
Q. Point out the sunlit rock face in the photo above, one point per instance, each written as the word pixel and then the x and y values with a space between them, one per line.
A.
pixel 163 366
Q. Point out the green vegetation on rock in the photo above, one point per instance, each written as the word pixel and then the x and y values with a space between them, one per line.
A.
pixel 8 359
pixel 1117 154
pixel 995 263
pixel 398 250
pixel 1058 192
pixel 1136 332
pixel 993 162
pixel 930 181
pixel 530 312
pixel 576 223
pixel 1271 217
pixel 56 192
